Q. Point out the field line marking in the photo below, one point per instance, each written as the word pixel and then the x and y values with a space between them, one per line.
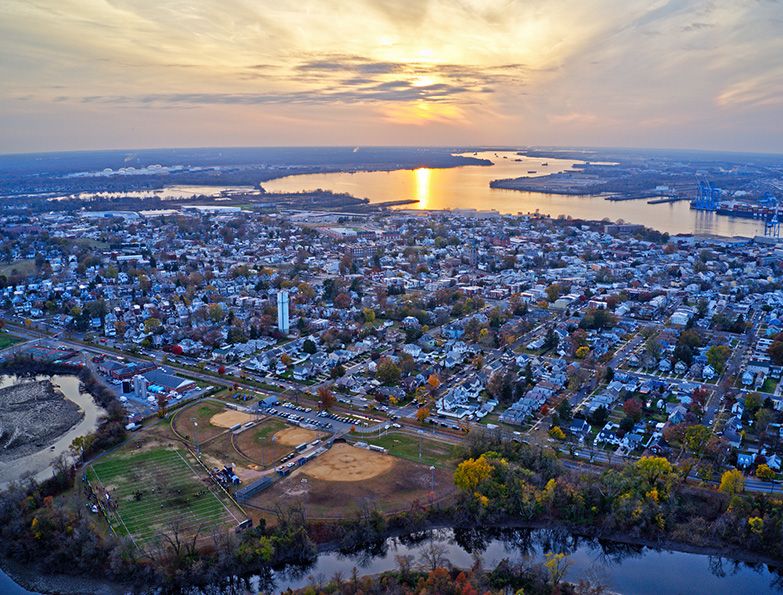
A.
pixel 210 488
pixel 116 513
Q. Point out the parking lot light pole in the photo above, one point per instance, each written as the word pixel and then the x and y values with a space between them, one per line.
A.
pixel 195 436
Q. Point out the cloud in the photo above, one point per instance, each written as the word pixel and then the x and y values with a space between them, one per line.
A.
pixel 505 71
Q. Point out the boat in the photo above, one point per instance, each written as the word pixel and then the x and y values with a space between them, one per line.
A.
pixel 744 210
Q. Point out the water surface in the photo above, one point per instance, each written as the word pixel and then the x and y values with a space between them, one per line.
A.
pixel 623 569
pixel 468 187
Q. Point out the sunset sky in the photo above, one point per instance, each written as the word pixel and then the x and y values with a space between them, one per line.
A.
pixel 80 74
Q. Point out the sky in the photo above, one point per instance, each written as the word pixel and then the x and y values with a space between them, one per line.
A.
pixel 88 74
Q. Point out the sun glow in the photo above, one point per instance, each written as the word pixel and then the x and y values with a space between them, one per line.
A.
pixel 423 175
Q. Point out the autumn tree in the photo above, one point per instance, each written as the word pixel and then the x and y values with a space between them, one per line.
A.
pixel 764 472
pixel 422 413
pixel 633 408
pixel 732 482
pixel 472 472
pixel 557 433
pixel 433 382
pixel 388 372
pixel 326 398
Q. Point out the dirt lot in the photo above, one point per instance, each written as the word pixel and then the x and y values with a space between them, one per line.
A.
pixel 337 482
pixel 230 418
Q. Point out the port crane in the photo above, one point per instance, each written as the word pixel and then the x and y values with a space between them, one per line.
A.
pixel 707 197
pixel 772 224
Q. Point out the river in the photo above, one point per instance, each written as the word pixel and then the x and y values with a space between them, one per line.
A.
pixel 621 568
pixel 624 569
pixel 38 463
pixel 468 187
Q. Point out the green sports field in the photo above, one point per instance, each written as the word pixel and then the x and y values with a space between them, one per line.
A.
pixel 154 491
pixel 406 446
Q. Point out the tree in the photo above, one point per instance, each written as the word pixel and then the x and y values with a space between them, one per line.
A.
pixel 551 341
pixel 388 372
pixel 653 469
pixel 763 418
pixel 717 356
pixel 422 413
pixel 433 382
pixel 598 416
pixel 553 292
pixel 753 403
pixel 162 401
pixel 369 315
pixel 764 472
pixel 633 409
pixel 472 472
pixel 151 324
pixel 342 301
pixel 309 346
pixel 732 482
pixel 756 525
pixel 564 410
pixel 326 398
pixel 581 352
pixel 557 433
pixel 557 566
pixel 216 312
pixel 696 438
pixel 776 349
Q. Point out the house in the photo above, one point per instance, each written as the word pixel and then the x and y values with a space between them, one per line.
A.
pixel 608 435
pixel 677 416
pixel 579 429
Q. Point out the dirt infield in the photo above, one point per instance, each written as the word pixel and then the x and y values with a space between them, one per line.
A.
pixel 201 412
pixel 230 418
pixel 296 436
pixel 336 483
pixel 348 463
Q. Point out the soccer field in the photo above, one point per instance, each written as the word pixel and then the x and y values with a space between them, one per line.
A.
pixel 153 491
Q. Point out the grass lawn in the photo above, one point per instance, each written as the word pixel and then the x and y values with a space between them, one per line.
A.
pixel 7 340
pixel 19 267
pixel 153 490
pixel 268 429
pixel 405 446
pixel 769 386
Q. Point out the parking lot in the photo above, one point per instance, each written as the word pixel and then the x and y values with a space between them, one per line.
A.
pixel 332 422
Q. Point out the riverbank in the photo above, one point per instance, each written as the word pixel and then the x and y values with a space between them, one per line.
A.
pixel 32 416
pixel 34 579
pixel 40 418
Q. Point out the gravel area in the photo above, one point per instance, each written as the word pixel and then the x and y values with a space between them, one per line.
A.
pixel 32 416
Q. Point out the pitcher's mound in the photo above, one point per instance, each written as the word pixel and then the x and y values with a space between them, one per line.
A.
pixel 228 419
pixel 348 463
